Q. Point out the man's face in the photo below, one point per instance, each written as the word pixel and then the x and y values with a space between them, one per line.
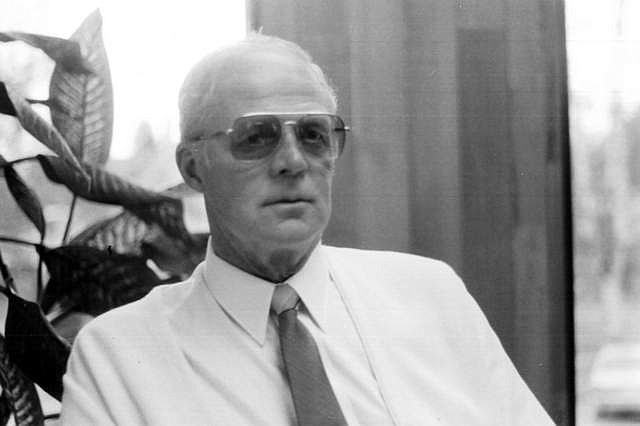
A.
pixel 282 202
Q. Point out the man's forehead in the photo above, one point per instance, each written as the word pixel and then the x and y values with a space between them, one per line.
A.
pixel 268 83
pixel 267 75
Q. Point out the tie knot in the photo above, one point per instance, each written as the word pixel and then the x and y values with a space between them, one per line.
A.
pixel 284 298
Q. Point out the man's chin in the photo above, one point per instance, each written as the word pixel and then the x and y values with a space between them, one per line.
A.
pixel 293 232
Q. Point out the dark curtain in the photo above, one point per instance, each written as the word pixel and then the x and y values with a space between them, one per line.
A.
pixel 459 151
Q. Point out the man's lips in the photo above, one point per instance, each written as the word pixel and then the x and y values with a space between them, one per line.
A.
pixel 287 200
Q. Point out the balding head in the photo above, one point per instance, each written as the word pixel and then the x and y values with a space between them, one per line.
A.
pixel 229 74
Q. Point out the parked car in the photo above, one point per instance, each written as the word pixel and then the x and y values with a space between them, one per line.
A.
pixel 614 381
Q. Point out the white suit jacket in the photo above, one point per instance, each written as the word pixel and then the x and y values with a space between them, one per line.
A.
pixel 434 356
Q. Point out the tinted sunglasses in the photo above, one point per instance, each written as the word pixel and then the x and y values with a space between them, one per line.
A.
pixel 257 136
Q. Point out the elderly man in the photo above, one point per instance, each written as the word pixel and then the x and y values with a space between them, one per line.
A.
pixel 274 328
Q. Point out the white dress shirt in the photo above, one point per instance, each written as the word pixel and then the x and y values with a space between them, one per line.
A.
pixel 247 300
pixel 206 351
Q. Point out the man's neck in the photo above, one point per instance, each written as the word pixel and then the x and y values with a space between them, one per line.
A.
pixel 275 266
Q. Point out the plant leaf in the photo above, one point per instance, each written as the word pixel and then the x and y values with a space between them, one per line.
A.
pixel 18 391
pixel 175 256
pixel 5 409
pixel 34 345
pixel 68 325
pixel 127 233
pixel 82 104
pixel 6 276
pixel 63 52
pixel 122 233
pixel 105 187
pixel 25 197
pixel 94 281
pixel 41 130
pixel 6 106
pixel 152 207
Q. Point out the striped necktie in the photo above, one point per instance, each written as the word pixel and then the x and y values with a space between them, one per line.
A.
pixel 313 398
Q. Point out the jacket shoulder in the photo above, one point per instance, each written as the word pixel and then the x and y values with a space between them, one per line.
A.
pixel 398 277
pixel 141 316
pixel 388 261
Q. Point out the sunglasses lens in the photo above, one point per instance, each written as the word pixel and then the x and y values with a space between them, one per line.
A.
pixel 316 136
pixel 254 138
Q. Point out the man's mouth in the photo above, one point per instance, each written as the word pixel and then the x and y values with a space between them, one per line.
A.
pixel 287 200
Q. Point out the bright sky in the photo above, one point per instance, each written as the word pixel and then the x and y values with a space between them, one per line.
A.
pixel 603 44
pixel 150 45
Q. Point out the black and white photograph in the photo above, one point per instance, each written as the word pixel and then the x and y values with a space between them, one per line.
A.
pixel 320 212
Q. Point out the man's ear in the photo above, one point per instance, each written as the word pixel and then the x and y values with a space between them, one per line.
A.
pixel 186 159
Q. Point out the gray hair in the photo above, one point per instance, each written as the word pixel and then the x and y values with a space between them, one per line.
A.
pixel 197 94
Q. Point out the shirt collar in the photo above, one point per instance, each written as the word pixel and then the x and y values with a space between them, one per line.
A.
pixel 247 298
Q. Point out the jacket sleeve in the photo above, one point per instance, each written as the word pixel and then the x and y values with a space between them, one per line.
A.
pixel 83 400
pixel 513 402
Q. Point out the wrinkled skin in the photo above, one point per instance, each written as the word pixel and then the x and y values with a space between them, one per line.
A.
pixel 264 218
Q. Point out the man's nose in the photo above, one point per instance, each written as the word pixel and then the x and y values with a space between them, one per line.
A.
pixel 289 158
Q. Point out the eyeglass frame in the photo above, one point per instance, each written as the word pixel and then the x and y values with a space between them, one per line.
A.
pixel 283 122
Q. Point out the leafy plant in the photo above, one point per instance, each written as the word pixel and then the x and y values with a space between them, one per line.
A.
pixel 93 281
pixel 82 103
pixel 64 52
pixel 12 103
pixel 24 196
pixel 111 262
pixel 19 396
pixel 34 346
